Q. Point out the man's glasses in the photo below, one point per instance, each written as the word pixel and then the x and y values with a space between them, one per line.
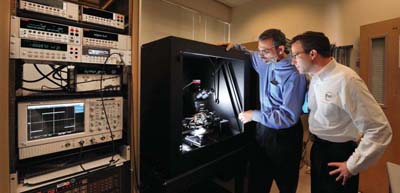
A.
pixel 265 51
pixel 294 55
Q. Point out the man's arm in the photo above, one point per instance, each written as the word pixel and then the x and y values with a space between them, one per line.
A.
pixel 255 58
pixel 367 116
pixel 287 114
pixel 230 45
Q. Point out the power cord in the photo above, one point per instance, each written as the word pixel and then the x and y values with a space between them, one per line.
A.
pixel 49 79
pixel 55 71
pixel 104 107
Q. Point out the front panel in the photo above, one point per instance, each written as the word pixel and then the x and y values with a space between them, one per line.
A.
pixel 101 17
pixel 107 179
pixel 40 50
pixel 53 126
pixel 57 8
pixel 104 39
pixel 106 56
pixel 26 28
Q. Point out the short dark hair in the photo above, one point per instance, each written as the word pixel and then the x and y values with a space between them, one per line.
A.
pixel 277 36
pixel 311 40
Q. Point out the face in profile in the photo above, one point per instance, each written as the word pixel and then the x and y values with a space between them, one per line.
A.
pixel 267 51
pixel 300 58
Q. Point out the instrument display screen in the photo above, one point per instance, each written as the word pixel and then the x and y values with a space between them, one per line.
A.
pixel 43 26
pixel 98 52
pixel 98 13
pixel 99 35
pixel 43 45
pixel 46 121
pixel 52 3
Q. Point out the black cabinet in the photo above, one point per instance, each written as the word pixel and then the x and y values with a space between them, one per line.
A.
pixel 190 96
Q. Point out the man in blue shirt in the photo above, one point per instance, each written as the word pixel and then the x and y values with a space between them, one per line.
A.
pixel 277 149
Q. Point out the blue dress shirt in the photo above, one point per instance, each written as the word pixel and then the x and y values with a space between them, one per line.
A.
pixel 282 91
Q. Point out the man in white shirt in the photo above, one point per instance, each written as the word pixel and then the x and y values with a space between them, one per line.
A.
pixel 342 111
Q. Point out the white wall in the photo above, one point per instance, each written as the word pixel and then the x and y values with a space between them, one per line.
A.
pixel 249 20
pixel 165 18
pixel 340 20
pixel 208 7
pixel 361 12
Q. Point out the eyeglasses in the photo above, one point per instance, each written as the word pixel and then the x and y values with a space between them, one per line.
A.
pixel 294 56
pixel 265 51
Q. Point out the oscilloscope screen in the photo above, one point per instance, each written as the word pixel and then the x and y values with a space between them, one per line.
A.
pixel 45 121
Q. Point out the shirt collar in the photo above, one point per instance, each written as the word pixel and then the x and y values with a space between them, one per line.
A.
pixel 284 63
pixel 324 72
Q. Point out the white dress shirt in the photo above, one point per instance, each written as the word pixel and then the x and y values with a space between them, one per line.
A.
pixel 342 109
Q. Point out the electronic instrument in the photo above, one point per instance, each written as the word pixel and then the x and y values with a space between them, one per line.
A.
pixel 42 78
pixel 106 40
pixel 99 56
pixel 45 31
pixel 41 50
pixel 102 17
pixel 57 8
pixel 88 78
pixel 46 127
pixel 100 176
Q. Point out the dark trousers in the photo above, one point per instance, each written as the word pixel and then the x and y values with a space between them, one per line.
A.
pixel 323 152
pixel 275 155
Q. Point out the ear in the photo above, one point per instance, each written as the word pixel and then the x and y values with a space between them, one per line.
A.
pixel 313 53
pixel 281 49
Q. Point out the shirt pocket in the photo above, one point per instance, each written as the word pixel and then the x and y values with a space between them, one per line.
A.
pixel 328 111
pixel 275 91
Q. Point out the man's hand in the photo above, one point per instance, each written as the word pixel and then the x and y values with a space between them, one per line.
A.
pixel 341 170
pixel 228 45
pixel 246 116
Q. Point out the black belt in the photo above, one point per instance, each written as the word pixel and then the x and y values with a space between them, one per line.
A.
pixel 316 139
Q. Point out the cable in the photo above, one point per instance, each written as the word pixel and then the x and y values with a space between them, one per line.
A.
pixel 36 90
pixel 45 76
pixel 58 73
pixel 41 73
pixel 196 81
pixel 104 107
pixel 80 155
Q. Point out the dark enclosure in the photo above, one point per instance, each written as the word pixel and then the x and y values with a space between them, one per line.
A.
pixel 191 95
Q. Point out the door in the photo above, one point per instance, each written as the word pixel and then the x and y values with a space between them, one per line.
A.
pixel 380 69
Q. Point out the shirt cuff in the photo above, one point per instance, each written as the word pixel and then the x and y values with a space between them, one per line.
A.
pixel 352 164
pixel 257 116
